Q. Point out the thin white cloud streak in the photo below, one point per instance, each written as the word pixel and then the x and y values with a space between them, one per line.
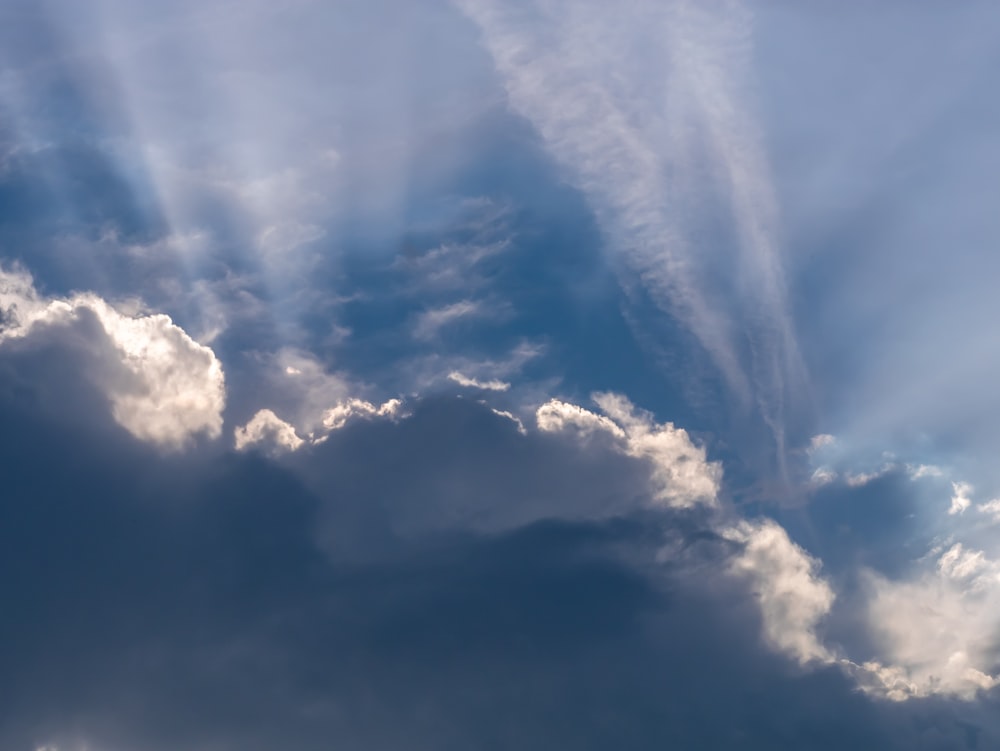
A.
pixel 430 323
pixel 512 417
pixel 644 110
pixel 992 508
pixel 474 383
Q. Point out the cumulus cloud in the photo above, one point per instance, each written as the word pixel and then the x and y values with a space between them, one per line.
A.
pixel 931 619
pixel 960 498
pixel 819 442
pixel 450 537
pixel 793 597
pixel 559 415
pixel 682 475
pixel 935 633
pixel 164 388
pixel 845 468
pixel 938 630
pixel 225 627
pixel 267 427
pixel 300 388
pixel 340 414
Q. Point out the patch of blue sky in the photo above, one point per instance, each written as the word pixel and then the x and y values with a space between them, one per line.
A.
pixel 883 147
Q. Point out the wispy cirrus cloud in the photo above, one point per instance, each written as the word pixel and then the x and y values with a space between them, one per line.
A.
pixel 646 113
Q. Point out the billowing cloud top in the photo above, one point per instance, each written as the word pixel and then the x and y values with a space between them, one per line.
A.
pixel 162 386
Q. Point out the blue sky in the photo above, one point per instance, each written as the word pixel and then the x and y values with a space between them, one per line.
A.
pixel 481 374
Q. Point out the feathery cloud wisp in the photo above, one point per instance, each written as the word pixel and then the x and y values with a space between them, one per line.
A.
pixel 651 152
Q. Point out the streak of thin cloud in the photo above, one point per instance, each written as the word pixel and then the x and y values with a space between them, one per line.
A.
pixel 645 112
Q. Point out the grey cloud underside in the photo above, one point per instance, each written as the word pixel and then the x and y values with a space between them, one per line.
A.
pixel 187 601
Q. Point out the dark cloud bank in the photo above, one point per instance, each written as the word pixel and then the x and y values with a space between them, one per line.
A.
pixel 220 601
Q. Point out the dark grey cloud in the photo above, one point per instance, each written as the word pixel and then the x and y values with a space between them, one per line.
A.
pixel 193 601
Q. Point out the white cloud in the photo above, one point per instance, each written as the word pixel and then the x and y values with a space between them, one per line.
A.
pixel 427 371
pixel 820 442
pixel 855 478
pixel 168 387
pixel 512 417
pixel 490 385
pixel 920 471
pixel 650 152
pixel 793 598
pixel 961 564
pixel 934 633
pixel 430 322
pixel 990 507
pixel 860 479
pixel 302 389
pixel 960 499
pixel 338 416
pixel 822 476
pixel 311 400
pixel 682 476
pixel 267 427
pixel 938 631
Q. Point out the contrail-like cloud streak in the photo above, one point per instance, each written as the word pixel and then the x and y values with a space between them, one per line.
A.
pixel 643 106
